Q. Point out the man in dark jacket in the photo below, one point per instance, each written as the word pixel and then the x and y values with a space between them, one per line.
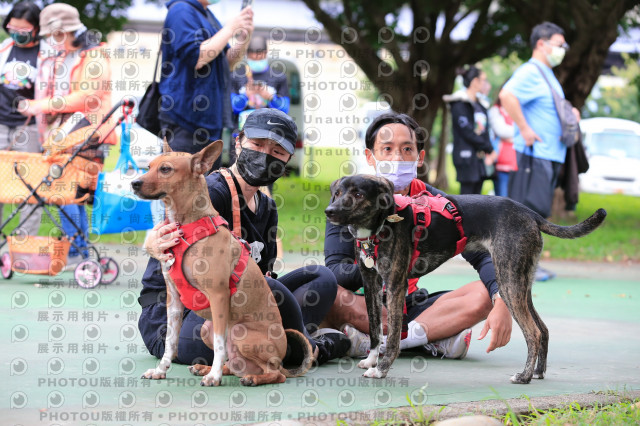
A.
pixel 196 58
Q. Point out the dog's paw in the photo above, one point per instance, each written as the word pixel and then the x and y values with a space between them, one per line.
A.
pixel 520 379
pixel 199 369
pixel 209 380
pixel 374 373
pixel 155 374
pixel 367 364
pixel 538 375
pixel 247 381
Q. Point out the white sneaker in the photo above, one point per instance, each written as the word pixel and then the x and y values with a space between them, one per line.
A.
pixel 455 347
pixel 360 342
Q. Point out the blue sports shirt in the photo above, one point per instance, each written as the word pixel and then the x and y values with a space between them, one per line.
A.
pixel 534 94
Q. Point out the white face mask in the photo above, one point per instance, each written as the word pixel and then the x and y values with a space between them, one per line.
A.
pixel 401 173
pixel 556 56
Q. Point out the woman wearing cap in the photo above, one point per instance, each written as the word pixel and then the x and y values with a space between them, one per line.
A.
pixel 195 82
pixel 19 60
pixel 74 76
pixel 304 296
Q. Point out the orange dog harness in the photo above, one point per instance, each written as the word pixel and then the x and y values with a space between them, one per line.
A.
pixel 191 297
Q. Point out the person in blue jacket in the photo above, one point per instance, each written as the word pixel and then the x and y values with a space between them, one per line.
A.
pixel 195 83
pixel 255 85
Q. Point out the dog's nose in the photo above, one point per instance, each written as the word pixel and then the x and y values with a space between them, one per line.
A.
pixel 330 212
pixel 136 185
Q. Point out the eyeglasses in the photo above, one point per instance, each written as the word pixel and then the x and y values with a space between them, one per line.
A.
pixel 563 45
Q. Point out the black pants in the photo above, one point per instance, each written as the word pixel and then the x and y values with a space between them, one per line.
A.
pixel 314 286
pixel 534 183
pixel 183 140
pixel 471 187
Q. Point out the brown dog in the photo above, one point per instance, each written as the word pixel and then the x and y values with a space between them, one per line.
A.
pixel 247 327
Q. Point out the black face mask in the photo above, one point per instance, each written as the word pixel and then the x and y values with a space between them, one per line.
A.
pixel 258 168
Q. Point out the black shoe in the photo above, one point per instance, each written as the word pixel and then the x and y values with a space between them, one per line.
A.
pixel 331 344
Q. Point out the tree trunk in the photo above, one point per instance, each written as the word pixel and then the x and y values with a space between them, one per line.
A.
pixel 441 180
pixel 580 70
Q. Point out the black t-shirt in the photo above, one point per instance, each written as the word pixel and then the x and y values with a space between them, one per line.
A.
pixel 258 229
pixel 17 82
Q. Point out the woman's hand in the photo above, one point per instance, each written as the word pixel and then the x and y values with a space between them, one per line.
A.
pixel 163 236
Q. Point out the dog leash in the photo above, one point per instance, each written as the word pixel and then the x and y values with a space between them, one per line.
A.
pixel 235 203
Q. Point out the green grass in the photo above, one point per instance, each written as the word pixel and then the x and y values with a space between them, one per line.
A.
pixel 301 202
pixel 616 240
pixel 623 413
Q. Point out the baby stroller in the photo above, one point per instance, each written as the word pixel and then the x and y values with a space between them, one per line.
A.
pixel 55 178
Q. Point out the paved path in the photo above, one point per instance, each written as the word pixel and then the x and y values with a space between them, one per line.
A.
pixel 74 356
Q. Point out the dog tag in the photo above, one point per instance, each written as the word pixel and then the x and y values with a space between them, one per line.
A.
pixel 368 262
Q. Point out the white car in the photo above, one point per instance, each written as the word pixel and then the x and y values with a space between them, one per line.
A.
pixel 613 149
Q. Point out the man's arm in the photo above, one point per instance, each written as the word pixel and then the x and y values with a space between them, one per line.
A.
pixel 499 319
pixel 212 47
pixel 512 105
pixel 339 255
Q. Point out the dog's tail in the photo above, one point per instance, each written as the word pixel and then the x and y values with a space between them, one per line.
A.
pixel 297 340
pixel 575 231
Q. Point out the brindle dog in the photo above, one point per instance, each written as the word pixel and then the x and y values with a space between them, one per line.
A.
pixel 508 230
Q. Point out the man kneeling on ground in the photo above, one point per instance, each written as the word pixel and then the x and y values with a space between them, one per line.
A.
pixel 439 322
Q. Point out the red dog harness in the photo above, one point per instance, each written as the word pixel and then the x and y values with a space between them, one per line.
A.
pixel 191 297
pixel 422 205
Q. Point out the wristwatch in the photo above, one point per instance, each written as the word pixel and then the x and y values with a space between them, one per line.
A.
pixel 495 296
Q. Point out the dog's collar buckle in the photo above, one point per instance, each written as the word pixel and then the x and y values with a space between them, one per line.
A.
pixel 368 247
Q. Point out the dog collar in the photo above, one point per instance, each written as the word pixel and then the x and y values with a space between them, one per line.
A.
pixel 369 247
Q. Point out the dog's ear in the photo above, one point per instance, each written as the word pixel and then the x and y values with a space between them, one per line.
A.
pixel 165 146
pixel 202 162
pixel 334 186
pixel 385 185
pixel 385 199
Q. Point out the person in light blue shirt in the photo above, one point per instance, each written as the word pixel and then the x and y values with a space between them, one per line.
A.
pixel 527 99
pixel 532 92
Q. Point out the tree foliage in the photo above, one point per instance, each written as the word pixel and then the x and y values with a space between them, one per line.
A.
pixel 412 67
pixel 591 27
pixel 619 99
